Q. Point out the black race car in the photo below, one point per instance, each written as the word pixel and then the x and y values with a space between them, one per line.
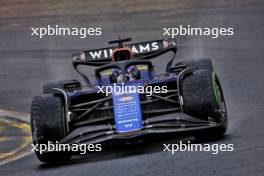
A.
pixel 70 113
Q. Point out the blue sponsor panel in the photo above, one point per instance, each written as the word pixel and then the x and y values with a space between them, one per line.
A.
pixel 127 112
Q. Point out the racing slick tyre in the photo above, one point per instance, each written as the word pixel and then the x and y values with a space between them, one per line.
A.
pixel 203 98
pixel 48 124
pixel 69 85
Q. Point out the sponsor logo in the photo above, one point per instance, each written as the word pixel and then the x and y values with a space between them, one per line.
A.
pixel 137 48
pixel 126 98
pixel 129 125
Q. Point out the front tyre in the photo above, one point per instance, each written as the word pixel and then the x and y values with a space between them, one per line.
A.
pixel 48 123
pixel 203 98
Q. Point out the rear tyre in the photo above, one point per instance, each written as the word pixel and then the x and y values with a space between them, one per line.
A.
pixel 203 98
pixel 69 85
pixel 199 64
pixel 48 123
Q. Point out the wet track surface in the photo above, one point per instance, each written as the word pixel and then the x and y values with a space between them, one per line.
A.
pixel 27 62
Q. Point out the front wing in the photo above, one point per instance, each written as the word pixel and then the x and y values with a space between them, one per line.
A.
pixel 169 123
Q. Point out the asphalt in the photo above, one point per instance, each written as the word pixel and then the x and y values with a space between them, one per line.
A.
pixel 26 62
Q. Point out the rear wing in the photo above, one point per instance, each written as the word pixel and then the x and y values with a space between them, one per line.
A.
pixel 141 51
pixel 102 56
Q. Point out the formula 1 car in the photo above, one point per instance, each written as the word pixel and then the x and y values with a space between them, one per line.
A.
pixel 74 114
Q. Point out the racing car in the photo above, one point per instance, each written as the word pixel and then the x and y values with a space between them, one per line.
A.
pixel 72 113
